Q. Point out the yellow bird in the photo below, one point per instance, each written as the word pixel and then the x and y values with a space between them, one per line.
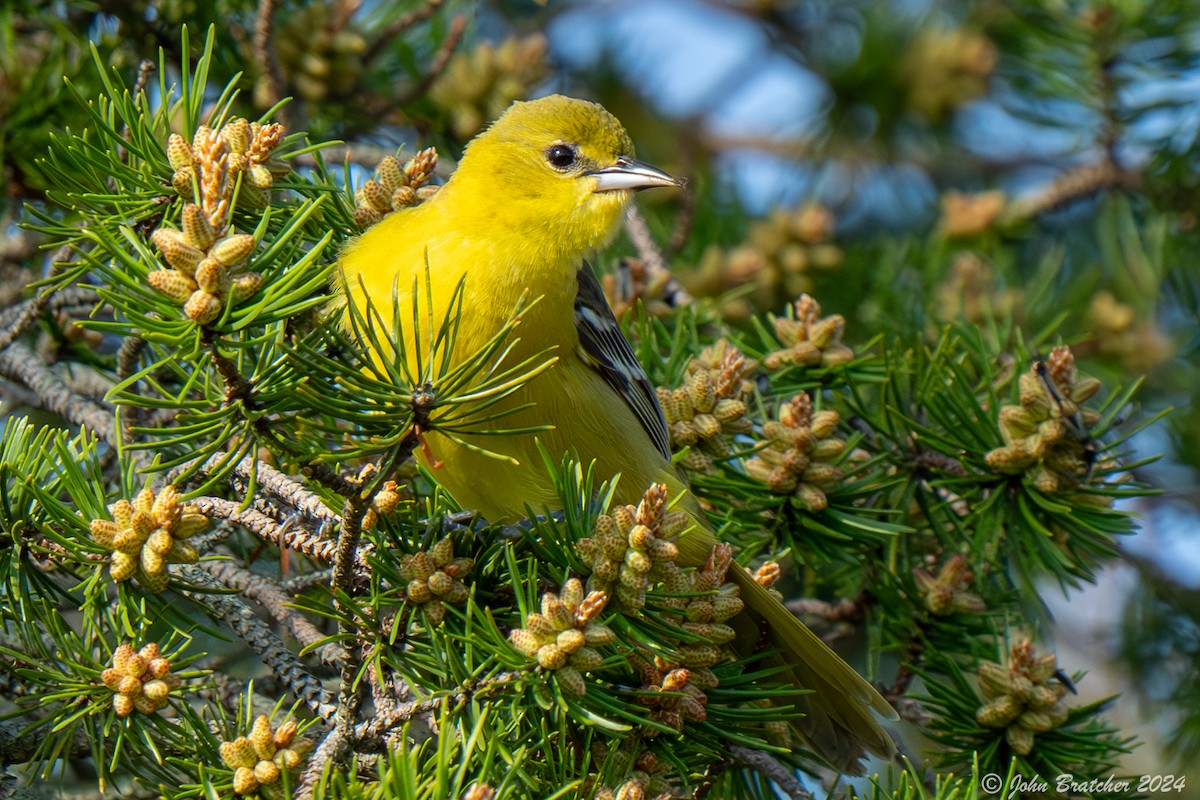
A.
pixel 542 187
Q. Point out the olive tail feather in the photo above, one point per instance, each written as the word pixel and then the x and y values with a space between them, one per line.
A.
pixel 839 720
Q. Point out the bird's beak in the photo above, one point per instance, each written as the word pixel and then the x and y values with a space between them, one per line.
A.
pixel 629 173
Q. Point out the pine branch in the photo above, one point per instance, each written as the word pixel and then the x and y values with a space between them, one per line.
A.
pixel 458 26
pixel 371 734
pixel 300 583
pixel 673 292
pixel 289 537
pixel 89 383
pixel 16 320
pixel 344 569
pixel 294 496
pixel 264 52
pixel 20 748
pixel 398 26
pixel 325 753
pixel 783 778
pixel 1073 184
pixel 260 639
pixel 20 363
pixel 271 596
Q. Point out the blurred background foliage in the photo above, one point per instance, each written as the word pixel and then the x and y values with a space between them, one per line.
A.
pixel 1019 166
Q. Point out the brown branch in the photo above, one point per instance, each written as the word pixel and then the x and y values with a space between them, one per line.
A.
pixel 639 233
pixel 345 561
pixel 328 477
pixel 842 611
pixel 326 751
pixel 643 240
pixel 17 319
pixel 237 387
pixel 709 779
pixel 296 496
pixel 299 583
pixel 458 27
pixel 384 701
pixel 344 585
pixel 21 364
pixel 398 26
pixel 1074 184
pixel 16 394
pixel 683 223
pixel 23 316
pixel 271 596
pixel 88 382
pixel 904 678
pixel 20 748
pixel 240 390
pixel 371 732
pixel 264 55
pixel 128 354
pixel 288 537
pixel 127 359
pixel 259 638
pixel 764 763
pixel 364 155
pixel 145 69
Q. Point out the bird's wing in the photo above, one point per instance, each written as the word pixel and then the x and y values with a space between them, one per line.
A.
pixel 605 349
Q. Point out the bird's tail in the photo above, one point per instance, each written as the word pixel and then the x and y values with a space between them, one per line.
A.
pixel 838 721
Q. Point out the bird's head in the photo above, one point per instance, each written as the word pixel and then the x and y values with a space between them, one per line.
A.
pixel 557 167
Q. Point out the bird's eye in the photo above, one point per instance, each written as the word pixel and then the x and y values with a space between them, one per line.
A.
pixel 561 156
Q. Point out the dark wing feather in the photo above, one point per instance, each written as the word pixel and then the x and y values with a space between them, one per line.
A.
pixel 603 347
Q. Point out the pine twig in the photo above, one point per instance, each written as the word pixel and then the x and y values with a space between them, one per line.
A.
pixel 128 354
pixel 21 364
pixel 261 639
pixel 683 223
pixel 17 394
pixel 295 496
pixel 127 360
pixel 271 596
pixel 779 774
pixel 345 560
pixel 16 320
pixel 326 751
pixel 652 257
pixel 238 388
pixel 17 747
pixel 299 583
pixel 264 56
pixel 458 26
pixel 294 538
pixel 709 778
pixel 145 69
pixel 398 26
pixel 383 696
pixel 88 382
pixel 842 611
pixel 371 732
pixel 328 477
pixel 1074 184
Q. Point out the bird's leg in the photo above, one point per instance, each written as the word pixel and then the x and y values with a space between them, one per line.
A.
pixel 434 462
